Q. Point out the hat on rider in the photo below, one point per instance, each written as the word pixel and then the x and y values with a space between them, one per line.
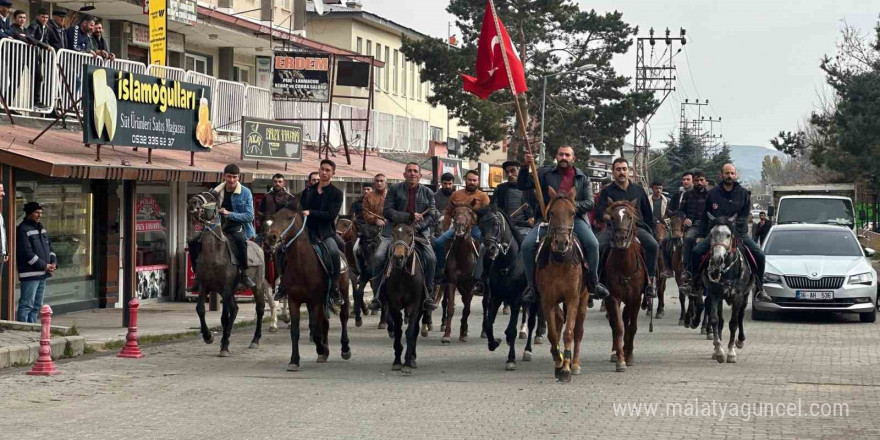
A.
pixel 511 163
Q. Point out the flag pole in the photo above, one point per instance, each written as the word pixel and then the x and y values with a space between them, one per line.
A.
pixel 519 112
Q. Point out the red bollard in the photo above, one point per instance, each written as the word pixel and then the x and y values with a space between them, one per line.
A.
pixel 44 366
pixel 131 349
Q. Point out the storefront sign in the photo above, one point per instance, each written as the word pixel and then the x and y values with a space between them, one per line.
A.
pixel 158 27
pixel 301 76
pixel 140 36
pixel 496 175
pixel 149 215
pixel 443 165
pixel 183 11
pixel 122 108
pixel 270 140
pixel 264 72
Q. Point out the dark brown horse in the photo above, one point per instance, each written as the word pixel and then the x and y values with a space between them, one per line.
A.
pixel 660 232
pixel 561 280
pixel 404 288
pixel 217 274
pixel 462 257
pixel 626 276
pixel 348 231
pixel 305 282
pixel 675 248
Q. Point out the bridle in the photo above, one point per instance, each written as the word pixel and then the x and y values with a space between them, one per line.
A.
pixel 554 230
pixel 200 215
pixel 347 228
pixel 501 231
pixel 465 229
pixel 731 248
pixel 282 238
pixel 409 248
pixel 628 233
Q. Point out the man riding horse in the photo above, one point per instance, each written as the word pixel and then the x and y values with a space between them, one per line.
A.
pixel 691 210
pixel 564 177
pixel 409 201
pixel 687 183
pixel 624 190
pixel 373 205
pixel 728 200
pixel 471 196
pixel 236 206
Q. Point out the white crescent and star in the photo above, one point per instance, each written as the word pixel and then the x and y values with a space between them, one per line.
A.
pixel 495 42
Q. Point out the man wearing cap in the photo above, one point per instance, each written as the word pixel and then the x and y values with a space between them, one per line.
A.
pixel 56 33
pixel 35 262
pixel 5 19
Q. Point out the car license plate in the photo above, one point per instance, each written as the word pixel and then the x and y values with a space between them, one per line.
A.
pixel 814 295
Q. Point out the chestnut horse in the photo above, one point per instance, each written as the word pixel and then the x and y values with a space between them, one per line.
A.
pixel 625 276
pixel 462 257
pixel 560 279
pixel 305 282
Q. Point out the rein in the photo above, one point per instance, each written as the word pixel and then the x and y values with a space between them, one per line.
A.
pixel 501 224
pixel 301 229
pixel 553 229
pixel 628 238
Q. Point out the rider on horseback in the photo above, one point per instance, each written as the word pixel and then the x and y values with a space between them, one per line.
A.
pixel 687 183
pixel 691 210
pixel 409 201
pixel 320 205
pixel 727 200
pixel 371 214
pixel 564 177
pixel 470 194
pixel 622 189
pixel 236 205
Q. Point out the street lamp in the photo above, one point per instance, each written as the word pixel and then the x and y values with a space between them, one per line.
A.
pixel 584 68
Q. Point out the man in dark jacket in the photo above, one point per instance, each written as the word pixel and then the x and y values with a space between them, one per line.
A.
pixel 691 210
pixel 56 33
pixel 35 261
pixel 727 200
pixel 409 201
pixel 5 19
pixel 687 183
pixel 79 38
pixel 622 189
pixel 510 199
pixel 276 199
pixel 441 198
pixel 564 177
pixel 320 205
pixel 762 228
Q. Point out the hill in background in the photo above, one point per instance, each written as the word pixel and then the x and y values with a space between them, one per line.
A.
pixel 748 159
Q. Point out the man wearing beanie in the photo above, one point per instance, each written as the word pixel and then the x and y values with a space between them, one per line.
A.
pixel 35 262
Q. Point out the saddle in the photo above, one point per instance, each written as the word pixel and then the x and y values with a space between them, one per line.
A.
pixel 254 254
pixel 324 257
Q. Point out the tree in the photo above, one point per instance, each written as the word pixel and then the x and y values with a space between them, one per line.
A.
pixel 687 153
pixel 583 109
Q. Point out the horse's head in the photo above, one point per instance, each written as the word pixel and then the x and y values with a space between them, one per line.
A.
pixel 202 207
pixel 370 236
pixel 676 227
pixel 464 218
pixel 560 214
pixel 660 231
pixel 282 226
pixel 496 233
pixel 402 243
pixel 346 229
pixel 624 222
pixel 722 244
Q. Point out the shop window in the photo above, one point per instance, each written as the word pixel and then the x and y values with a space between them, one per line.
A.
pixel 197 63
pixel 151 227
pixel 242 74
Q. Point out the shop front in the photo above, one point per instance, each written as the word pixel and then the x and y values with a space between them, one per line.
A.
pixel 153 210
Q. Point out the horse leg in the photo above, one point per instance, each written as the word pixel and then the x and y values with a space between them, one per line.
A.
pixel 200 310
pixel 344 314
pixel 397 324
pixel 260 306
pixel 226 323
pixel 269 297
pixel 712 311
pixel 484 302
pixel 358 285
pixel 733 325
pixel 511 335
pixel 533 312
pixel 294 338
pixel 572 304
pixel 579 334
pixel 412 335
pixel 741 340
pixel 466 299
pixel 489 316
pixel 324 320
pixel 553 336
pixel 615 312
pixel 524 327
pixel 542 329
pixel 661 298
pixel 629 334
pixel 444 305
pixel 449 298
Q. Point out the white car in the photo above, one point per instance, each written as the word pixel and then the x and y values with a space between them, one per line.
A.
pixel 817 267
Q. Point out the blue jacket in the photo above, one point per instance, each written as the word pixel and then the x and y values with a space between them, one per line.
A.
pixel 242 207
pixel 77 41
pixel 33 251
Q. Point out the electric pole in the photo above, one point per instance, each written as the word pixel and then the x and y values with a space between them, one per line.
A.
pixel 707 139
pixel 655 75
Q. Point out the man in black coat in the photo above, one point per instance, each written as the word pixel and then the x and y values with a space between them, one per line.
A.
pixel 56 33
pixel 727 200
pixel 320 204
pixel 691 210
pixel 762 228
pixel 622 189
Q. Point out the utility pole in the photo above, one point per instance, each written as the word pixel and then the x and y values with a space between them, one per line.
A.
pixel 658 77
pixel 706 138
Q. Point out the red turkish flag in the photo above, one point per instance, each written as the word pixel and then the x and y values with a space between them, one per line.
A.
pixel 491 74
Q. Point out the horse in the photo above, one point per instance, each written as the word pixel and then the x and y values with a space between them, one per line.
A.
pixel 507 281
pixel 675 248
pixel 349 231
pixel 626 276
pixel 305 282
pixel 728 277
pixel 218 274
pixel 462 257
pixel 404 292
pixel 660 232
pixel 559 278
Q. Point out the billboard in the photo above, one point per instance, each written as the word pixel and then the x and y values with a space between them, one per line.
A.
pixel 301 76
pixel 271 140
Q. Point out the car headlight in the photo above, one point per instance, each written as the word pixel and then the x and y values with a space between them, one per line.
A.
pixel 772 278
pixel 863 278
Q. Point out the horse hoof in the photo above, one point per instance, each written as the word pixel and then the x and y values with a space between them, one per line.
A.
pixel 731 359
pixel 209 340
pixel 695 325
pixel 406 370
pixel 424 330
pixel 381 325
pixel 613 357
pixel 390 335
pixel 510 366
pixel 442 327
pixel 621 367
pixel 254 345
pixel 557 372
pixel 292 367
pixel 740 344
pixel 223 353
pixel 273 328
pixel 590 303
pixel 527 356
pixel 322 359
pixel 494 343
pixel 396 367
pixel 523 335
pixel 564 376
pixel 373 313
pixel 346 355
pixel 483 334
pixel 462 338
pixel 681 323
pixel 659 315
pixel 430 327
pixel 629 361
pixel 413 364
pixel 505 310
pixel 445 340
pixel 576 370
pixel 702 331
pixel 708 336
pixel 721 358
pixel 539 340
pixel 358 322
pixel 285 319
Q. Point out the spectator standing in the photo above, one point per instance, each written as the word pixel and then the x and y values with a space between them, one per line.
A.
pixel 101 46
pixel 56 32
pixel 5 19
pixel 35 261
pixel 79 38
pixel 762 228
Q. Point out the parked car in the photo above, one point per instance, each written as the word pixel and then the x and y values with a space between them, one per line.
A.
pixel 817 267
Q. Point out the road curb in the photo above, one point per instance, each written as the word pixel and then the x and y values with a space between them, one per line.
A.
pixel 63 347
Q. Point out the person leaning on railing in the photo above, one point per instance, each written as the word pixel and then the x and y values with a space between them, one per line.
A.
pixel 101 46
pixel 5 19
pixel 56 33
pixel 79 37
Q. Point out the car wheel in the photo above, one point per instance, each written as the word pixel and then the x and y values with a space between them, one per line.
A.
pixel 868 316
pixel 759 315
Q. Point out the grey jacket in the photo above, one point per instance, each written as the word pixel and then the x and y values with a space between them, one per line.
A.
pixel 396 201
pixel 551 178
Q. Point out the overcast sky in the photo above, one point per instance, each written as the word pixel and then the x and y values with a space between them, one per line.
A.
pixel 757 61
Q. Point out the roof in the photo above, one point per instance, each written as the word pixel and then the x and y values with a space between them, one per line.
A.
pixel 339 10
pixel 807 227
pixel 61 153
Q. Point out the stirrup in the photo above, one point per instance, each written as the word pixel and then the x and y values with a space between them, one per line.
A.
pixel 429 304
pixel 529 296
pixel 601 291
pixel 479 288
pixel 279 293
pixel 650 291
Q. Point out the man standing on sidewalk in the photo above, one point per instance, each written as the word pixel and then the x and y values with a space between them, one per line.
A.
pixel 35 261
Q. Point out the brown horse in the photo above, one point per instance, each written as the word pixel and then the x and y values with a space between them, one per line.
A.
pixel 660 234
pixel 348 231
pixel 626 276
pixel 462 257
pixel 305 282
pixel 675 248
pixel 560 279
